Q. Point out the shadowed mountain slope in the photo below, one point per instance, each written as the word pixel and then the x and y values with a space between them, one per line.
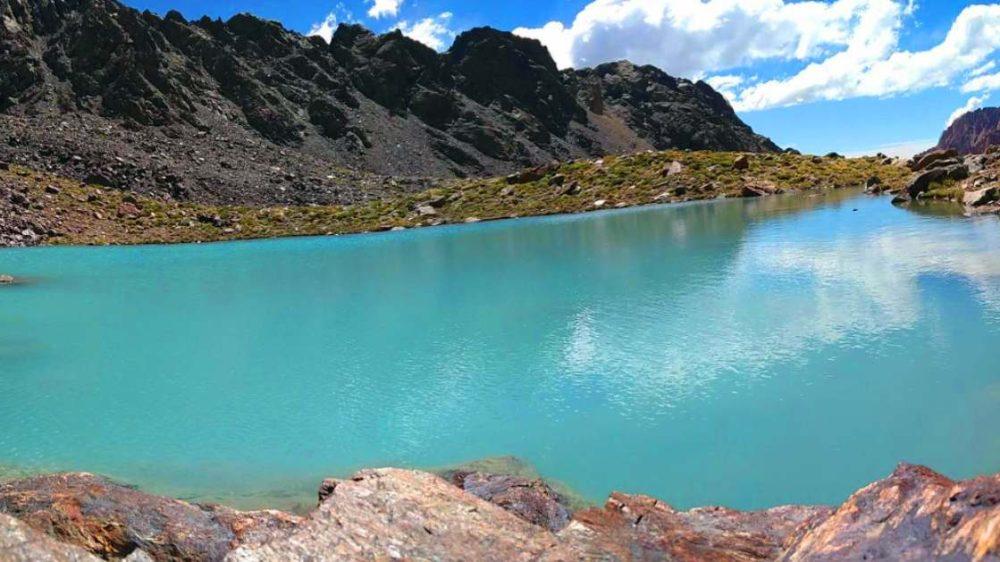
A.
pixel 246 111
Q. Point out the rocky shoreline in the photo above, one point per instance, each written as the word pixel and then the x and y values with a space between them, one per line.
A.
pixel 390 514
pixel 43 208
pixel 972 181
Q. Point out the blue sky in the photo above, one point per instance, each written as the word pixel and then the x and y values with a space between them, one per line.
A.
pixel 851 76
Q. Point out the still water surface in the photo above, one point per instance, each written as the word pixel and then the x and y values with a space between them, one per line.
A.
pixel 747 353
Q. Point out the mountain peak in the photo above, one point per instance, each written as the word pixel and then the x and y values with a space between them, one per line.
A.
pixel 493 103
pixel 973 132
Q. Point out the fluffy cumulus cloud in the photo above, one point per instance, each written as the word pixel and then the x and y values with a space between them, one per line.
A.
pixel 384 8
pixel 433 32
pixel 842 49
pixel 325 28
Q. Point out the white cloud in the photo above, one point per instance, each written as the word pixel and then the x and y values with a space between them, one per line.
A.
pixel 691 38
pixel 973 104
pixel 433 32
pixel 854 72
pixel 725 82
pixel 850 48
pixel 384 8
pixel 987 82
pixel 983 69
pixel 325 28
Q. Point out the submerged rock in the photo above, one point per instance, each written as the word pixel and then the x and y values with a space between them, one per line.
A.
pixel 112 520
pixel 6 280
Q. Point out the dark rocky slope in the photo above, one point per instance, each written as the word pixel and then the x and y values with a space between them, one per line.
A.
pixel 972 133
pixel 247 111
pixel 383 514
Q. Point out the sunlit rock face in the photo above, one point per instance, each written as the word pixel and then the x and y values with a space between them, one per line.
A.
pixel 973 133
pixel 913 514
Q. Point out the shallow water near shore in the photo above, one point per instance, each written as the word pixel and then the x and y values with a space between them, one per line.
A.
pixel 748 353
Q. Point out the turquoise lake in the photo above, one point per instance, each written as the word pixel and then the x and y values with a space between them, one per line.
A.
pixel 744 352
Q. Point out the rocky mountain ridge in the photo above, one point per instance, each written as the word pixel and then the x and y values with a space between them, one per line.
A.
pixel 972 133
pixel 246 111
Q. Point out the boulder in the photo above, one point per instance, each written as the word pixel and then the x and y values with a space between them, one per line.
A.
pixel 392 514
pixel 635 527
pixel 742 162
pixel 112 520
pixel 573 188
pixel 914 514
pixel 922 182
pixel 672 169
pixel 758 189
pixel 873 185
pixel 128 210
pixel 528 176
pixel 931 157
pixel 976 198
pixel 530 499
pixel 21 543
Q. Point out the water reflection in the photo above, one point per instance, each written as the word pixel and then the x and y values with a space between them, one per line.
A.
pixel 734 347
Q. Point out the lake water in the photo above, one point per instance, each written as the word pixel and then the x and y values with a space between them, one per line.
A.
pixel 746 353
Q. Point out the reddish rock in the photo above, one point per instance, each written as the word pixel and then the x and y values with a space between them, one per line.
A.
pixel 111 520
pixel 974 132
pixel 129 210
pixel 21 543
pixel 915 514
pixel 643 528
pixel 530 499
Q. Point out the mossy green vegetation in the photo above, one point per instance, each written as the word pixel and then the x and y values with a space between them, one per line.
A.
pixel 89 215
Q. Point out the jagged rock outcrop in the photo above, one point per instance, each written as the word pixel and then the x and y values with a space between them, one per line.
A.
pixel 973 132
pixel 914 514
pixel 971 180
pixel 112 520
pixel 245 110
pixel 530 499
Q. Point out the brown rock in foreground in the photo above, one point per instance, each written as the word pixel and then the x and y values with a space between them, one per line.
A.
pixel 21 543
pixel 643 528
pixel 915 514
pixel 112 520
pixel 388 514
pixel 530 499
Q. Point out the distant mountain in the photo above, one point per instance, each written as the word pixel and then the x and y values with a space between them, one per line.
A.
pixel 245 110
pixel 973 132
